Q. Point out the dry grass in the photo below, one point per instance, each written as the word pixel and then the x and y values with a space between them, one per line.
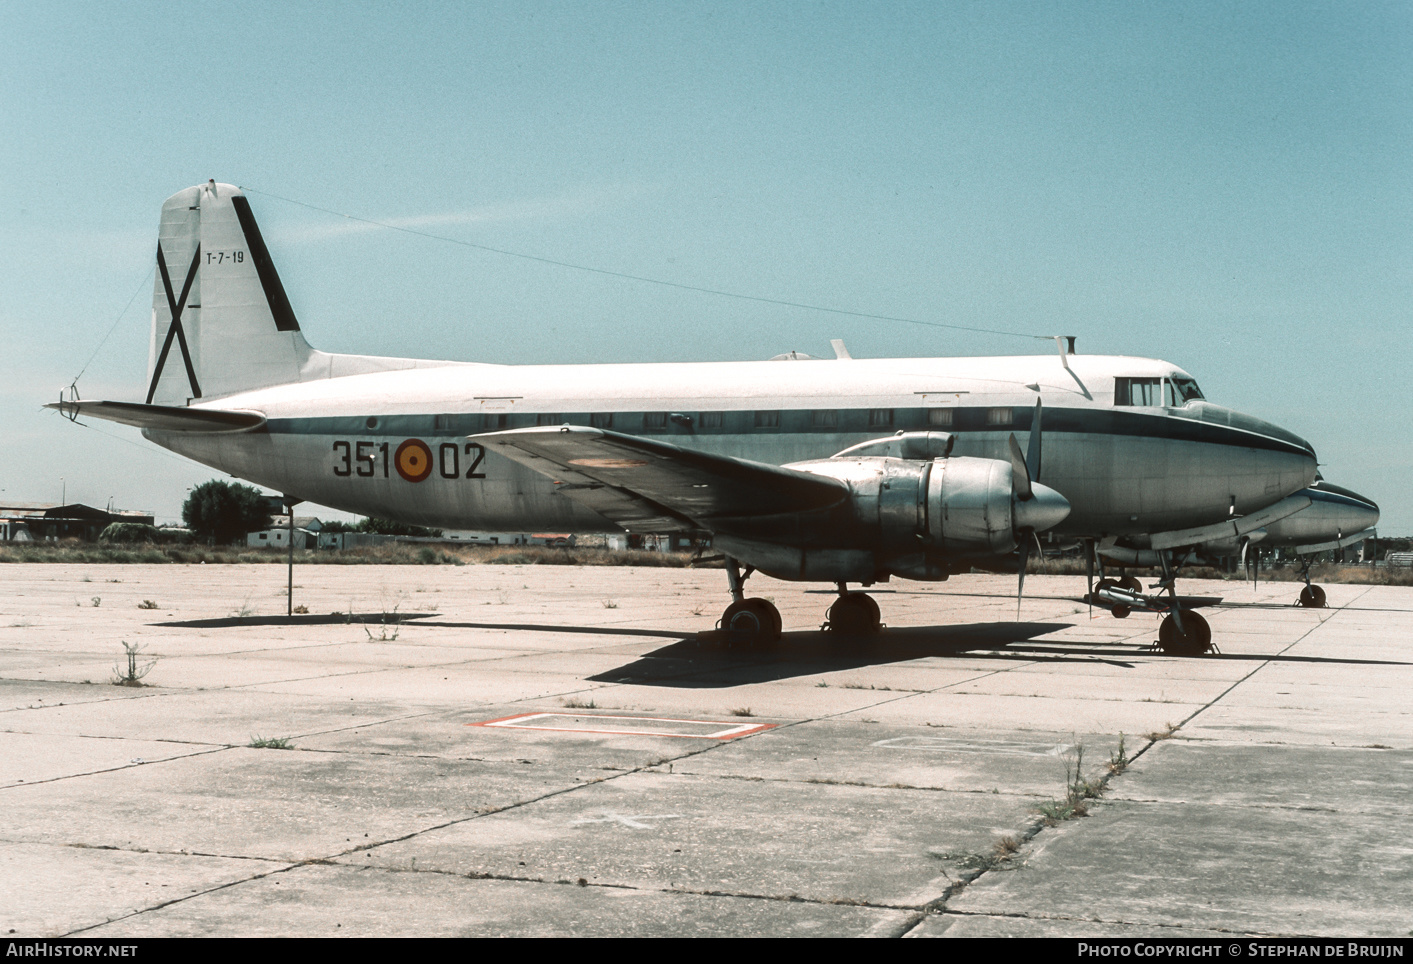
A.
pixel 410 554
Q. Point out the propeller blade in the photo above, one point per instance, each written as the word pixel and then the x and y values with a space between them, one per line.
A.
pixel 1089 574
pixel 1024 550
pixel 1032 457
pixel 1020 475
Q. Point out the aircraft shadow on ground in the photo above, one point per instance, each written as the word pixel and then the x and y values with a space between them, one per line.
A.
pixel 298 619
pixel 710 660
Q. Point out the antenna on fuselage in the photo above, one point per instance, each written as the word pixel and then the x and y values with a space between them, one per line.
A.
pixel 1065 344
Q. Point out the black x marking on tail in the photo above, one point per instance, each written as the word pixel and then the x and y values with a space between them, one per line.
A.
pixel 177 306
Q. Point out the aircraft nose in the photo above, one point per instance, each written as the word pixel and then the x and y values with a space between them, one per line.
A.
pixel 1044 510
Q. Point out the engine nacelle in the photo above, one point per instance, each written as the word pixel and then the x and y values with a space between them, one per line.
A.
pixel 953 506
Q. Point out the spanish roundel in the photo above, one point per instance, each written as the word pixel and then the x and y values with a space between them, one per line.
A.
pixel 413 460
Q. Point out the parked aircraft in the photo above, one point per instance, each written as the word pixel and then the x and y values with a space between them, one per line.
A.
pixel 842 470
pixel 1334 517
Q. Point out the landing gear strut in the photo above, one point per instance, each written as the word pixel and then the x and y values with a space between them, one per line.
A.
pixel 1183 632
pixel 748 620
pixel 1311 597
pixel 854 614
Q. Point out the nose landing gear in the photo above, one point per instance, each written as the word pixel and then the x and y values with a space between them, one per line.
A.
pixel 1311 597
pixel 1184 633
pixel 854 614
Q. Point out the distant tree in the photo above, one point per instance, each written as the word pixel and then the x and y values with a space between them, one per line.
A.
pixel 387 527
pixel 336 526
pixel 221 512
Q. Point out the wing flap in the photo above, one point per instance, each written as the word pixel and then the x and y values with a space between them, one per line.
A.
pixel 164 418
pixel 641 482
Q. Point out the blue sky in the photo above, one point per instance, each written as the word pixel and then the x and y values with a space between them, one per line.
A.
pixel 1225 186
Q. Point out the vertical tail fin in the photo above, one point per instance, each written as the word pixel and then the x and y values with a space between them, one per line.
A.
pixel 221 322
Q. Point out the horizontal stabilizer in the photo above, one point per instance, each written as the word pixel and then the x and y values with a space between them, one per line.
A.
pixel 647 485
pixel 164 418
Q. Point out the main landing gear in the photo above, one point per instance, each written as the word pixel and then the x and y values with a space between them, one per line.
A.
pixel 756 620
pixel 748 620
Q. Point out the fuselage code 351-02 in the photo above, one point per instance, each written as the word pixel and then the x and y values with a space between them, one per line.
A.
pixel 413 459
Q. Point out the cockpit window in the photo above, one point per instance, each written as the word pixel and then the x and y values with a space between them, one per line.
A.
pixel 1152 392
pixel 1137 391
pixel 1185 389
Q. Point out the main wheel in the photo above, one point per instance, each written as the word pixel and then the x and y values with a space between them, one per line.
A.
pixel 1120 611
pixel 752 620
pixel 1103 584
pixel 1194 639
pixel 1131 583
pixel 1312 597
pixel 854 614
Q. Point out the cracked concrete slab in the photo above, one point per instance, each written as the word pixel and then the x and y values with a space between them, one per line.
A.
pixel 873 807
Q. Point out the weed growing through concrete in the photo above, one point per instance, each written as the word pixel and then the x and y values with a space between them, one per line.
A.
pixel 97 601
pixel 147 604
pixel 271 743
pixel 301 610
pixel 1166 733
pixel 578 704
pixel 1078 790
pixel 610 604
pixel 741 711
pixel 383 635
pixel 1118 760
pixel 133 674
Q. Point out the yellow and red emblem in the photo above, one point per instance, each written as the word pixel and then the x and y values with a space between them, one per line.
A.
pixel 413 460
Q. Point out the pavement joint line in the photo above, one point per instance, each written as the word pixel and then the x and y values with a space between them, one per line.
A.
pixel 125 766
pixel 609 885
pixel 850 783
pixel 947 912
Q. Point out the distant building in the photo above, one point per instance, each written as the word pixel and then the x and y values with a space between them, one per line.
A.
pixel 50 521
pixel 277 536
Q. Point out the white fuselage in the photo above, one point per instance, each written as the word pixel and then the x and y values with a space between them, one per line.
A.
pixel 1124 468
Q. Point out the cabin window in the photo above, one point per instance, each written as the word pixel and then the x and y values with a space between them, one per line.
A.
pixel 880 418
pixel 767 419
pixel 655 421
pixel 548 418
pixel 939 417
pixel 710 420
pixel 601 420
pixel 824 418
pixel 1000 416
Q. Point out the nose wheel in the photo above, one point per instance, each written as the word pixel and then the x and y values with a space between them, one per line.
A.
pixel 1312 597
pixel 1190 637
pixel 855 614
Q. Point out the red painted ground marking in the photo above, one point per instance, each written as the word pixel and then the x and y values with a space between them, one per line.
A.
pixel 542 721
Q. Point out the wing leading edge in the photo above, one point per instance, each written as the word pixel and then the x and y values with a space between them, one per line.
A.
pixel 649 486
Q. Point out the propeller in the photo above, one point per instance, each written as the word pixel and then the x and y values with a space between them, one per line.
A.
pixel 1024 473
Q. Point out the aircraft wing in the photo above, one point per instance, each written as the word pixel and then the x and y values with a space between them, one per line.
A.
pixel 646 485
pixel 163 418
